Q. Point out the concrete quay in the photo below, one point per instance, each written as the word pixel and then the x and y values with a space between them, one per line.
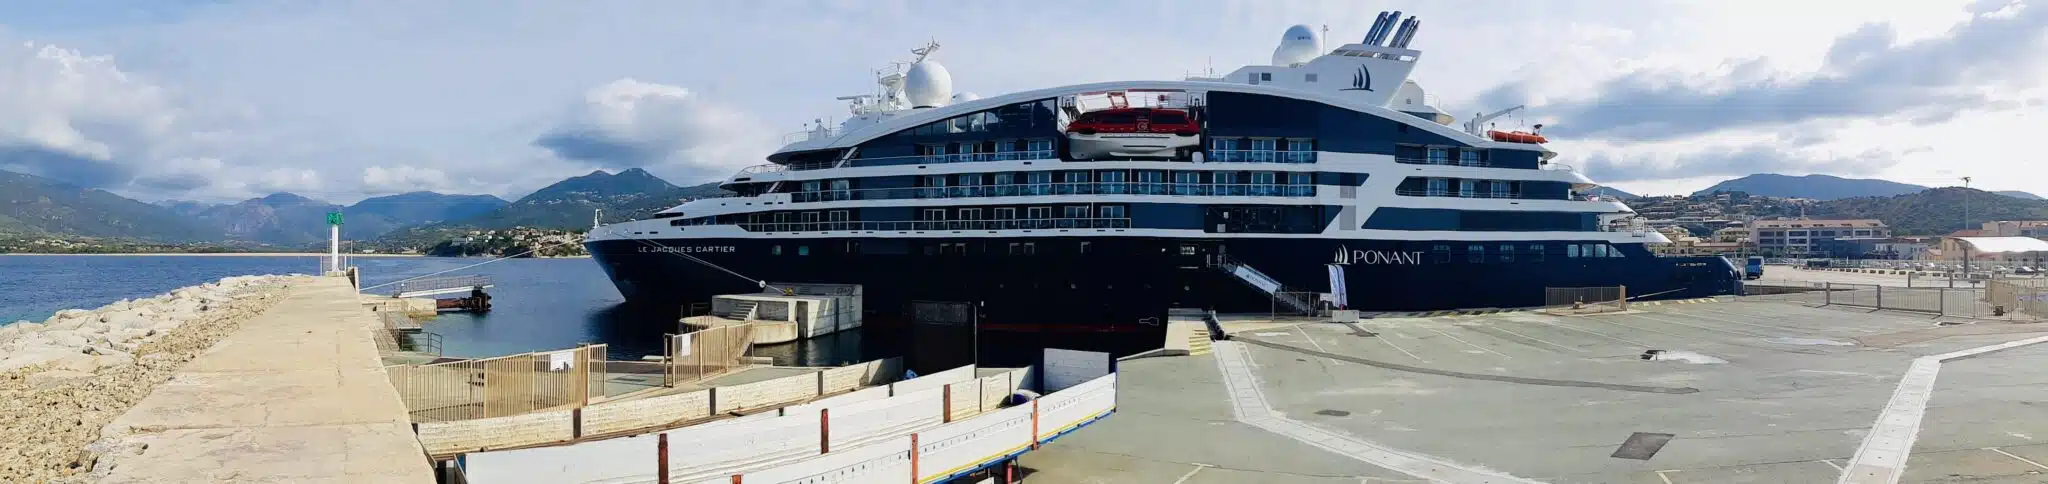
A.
pixel 297 394
pixel 1743 391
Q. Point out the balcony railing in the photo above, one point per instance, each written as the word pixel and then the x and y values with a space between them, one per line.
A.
pixel 1260 156
pixel 1444 162
pixel 923 225
pixel 1042 189
pixel 1411 192
pixel 1219 156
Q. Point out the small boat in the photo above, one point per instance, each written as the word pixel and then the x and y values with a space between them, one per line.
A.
pixel 1517 137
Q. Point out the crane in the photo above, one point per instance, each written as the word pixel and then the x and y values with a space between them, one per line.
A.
pixel 1474 126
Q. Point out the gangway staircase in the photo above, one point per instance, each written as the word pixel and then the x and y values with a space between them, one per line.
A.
pixel 742 310
pixel 1283 295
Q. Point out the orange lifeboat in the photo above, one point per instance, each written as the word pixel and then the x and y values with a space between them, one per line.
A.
pixel 1517 137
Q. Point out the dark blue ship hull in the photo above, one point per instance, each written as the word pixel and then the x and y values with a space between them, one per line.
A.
pixel 1102 283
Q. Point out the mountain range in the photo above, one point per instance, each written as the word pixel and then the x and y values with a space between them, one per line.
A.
pixel 1825 187
pixel 36 206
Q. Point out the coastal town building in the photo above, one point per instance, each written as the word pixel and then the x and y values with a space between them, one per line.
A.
pixel 1804 237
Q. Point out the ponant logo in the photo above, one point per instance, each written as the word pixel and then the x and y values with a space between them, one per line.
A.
pixel 1346 256
pixel 1360 81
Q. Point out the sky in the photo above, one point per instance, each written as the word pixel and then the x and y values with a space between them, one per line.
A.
pixel 219 100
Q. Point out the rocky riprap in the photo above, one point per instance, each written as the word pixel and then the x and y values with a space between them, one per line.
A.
pixel 63 379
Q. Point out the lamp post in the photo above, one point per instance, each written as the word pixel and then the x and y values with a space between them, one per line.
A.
pixel 1966 226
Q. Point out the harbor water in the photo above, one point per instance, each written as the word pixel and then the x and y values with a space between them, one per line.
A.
pixel 537 305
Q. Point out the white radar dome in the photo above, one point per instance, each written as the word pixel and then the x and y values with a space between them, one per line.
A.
pixel 965 97
pixel 928 84
pixel 1300 44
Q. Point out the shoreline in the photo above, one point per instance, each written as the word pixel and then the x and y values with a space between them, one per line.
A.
pixel 223 254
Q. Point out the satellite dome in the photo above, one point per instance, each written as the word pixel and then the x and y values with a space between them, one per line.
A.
pixel 965 97
pixel 928 84
pixel 1298 45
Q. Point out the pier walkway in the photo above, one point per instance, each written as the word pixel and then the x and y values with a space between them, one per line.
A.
pixel 295 395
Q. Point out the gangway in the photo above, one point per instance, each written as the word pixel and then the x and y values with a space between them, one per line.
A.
pixel 1264 283
pixel 437 286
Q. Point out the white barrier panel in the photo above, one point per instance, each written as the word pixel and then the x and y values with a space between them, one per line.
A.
pixel 935 380
pixel 844 378
pixel 995 388
pixel 963 399
pixel 885 461
pixel 859 423
pixel 883 371
pixel 962 445
pixel 867 395
pixel 1066 368
pixel 1066 409
pixel 764 393
pixel 477 434
pixel 723 450
pixel 646 413
pixel 609 460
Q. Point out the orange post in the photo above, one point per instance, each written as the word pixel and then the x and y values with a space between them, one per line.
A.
pixel 1034 424
pixel 948 392
pixel 661 448
pixel 913 459
pixel 824 430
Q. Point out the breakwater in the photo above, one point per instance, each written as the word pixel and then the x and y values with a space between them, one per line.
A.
pixel 62 379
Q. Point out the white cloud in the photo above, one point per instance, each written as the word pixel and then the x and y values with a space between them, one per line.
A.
pixel 376 96
pixel 403 178
pixel 628 123
pixel 77 118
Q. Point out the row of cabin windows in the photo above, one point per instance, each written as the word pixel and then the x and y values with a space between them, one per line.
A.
pixel 947 214
pixel 1476 253
pixel 1081 176
pixel 1440 155
pixel 1021 115
pixel 1262 150
pixel 995 150
pixel 1300 184
pixel 952 248
pixel 1441 187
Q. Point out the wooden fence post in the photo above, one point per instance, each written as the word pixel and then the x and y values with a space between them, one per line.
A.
pixel 947 391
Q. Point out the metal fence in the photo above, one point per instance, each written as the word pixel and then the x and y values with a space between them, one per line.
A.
pixel 2028 296
pixel 440 283
pixel 708 353
pixel 502 386
pixel 1610 298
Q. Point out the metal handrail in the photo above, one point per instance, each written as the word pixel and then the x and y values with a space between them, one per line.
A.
pixel 1410 192
pixel 811 134
pixel 1064 188
pixel 447 282
pixel 925 225
pixel 1448 162
pixel 1259 156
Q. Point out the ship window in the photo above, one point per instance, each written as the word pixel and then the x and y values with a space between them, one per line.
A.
pixel 970 214
pixel 1110 211
pixel 1571 250
pixel 1084 247
pixel 1077 177
pixel 1439 155
pixel 1077 211
pixel 1266 76
pixel 1475 253
pixel 1536 252
pixel 1613 251
pixel 803 250
pixel 1439 187
pixel 1187 250
pixel 1039 212
pixel 1599 250
pixel 1507 252
pixel 777 250
pixel 1030 248
pixel 1443 253
pixel 1311 77
pixel 1468 157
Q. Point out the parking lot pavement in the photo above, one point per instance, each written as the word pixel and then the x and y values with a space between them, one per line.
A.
pixel 1748 391
pixel 1173 421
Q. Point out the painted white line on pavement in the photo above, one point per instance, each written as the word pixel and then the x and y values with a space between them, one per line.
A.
pixel 1882 457
pixel 1250 406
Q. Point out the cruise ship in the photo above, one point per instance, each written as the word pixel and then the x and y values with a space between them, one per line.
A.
pixel 1323 180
